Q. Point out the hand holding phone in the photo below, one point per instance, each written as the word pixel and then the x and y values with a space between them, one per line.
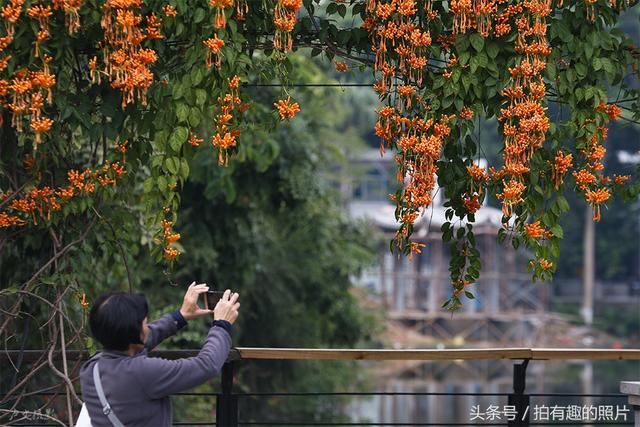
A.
pixel 226 305
pixel 190 309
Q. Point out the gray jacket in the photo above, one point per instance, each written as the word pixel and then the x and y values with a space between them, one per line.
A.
pixel 138 387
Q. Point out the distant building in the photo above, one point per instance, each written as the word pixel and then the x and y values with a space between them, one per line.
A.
pixel 414 291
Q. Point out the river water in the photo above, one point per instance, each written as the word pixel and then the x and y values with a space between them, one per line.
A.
pixel 594 378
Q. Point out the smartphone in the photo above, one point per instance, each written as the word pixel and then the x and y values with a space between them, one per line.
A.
pixel 212 298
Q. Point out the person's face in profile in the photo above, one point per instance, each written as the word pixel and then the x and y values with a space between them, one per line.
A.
pixel 144 334
pixel 144 331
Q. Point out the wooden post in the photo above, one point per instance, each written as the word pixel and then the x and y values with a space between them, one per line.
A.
pixel 518 398
pixel 588 267
pixel 227 403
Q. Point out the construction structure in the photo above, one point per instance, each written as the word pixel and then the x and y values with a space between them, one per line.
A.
pixel 508 308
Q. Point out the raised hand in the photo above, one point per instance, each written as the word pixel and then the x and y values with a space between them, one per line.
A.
pixel 190 309
pixel 227 307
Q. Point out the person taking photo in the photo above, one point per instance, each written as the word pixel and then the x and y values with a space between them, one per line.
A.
pixel 122 385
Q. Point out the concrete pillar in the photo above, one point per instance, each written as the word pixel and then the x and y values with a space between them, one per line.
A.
pixel 632 389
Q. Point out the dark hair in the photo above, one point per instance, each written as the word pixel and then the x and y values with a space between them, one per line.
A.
pixel 116 319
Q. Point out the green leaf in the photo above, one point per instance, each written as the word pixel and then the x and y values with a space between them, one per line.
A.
pixel 201 96
pixel 597 64
pixel 588 50
pixel 563 204
pixel 483 61
pixel 197 74
pixel 194 117
pixel 557 231
pixel 148 185
pixel 492 50
pixel 464 58
pixel 184 168
pixel 178 137
pixel 172 165
pixel 182 112
pixel 477 41
pixel 161 181
pixel 177 92
pixel 199 15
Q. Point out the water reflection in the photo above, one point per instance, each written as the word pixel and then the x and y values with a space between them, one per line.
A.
pixel 493 380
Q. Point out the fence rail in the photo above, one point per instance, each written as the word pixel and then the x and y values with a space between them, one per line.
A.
pixel 227 413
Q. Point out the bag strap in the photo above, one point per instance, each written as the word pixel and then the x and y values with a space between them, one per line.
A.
pixel 106 408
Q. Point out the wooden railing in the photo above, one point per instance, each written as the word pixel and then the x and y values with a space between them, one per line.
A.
pixel 262 353
pixel 433 354
pixel 227 413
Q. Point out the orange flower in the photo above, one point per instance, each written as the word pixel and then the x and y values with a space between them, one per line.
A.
pixel 7 220
pixel 561 165
pixel 511 196
pixel 220 5
pixel 415 248
pixel 223 143
pixel 596 198
pixel 286 109
pixel 171 254
pixel 477 173
pixel 341 67
pixel 614 111
pixel 546 264
pixel 536 231
pixel 234 82
pixel 621 179
pixel 194 140
pixel 169 10
pixel 41 126
pixel 214 45
pixel 584 178
pixel 466 113
pixel 82 300
pixel 471 204
pixel 122 147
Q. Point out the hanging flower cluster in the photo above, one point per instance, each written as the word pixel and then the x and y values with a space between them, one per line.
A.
pixel 285 17
pixel 536 231
pixel 71 9
pixel 126 61
pixel 479 179
pixel 41 14
pixel 195 141
pixel 225 137
pixel 287 109
pixel 561 165
pixel 25 92
pixel 214 56
pixel 169 11
pixel 169 239
pixel 402 49
pixel 524 120
pixel 341 67
pixel 220 7
pixel 38 204
pixel 590 179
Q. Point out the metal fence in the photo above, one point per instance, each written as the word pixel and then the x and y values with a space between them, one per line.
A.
pixel 227 401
